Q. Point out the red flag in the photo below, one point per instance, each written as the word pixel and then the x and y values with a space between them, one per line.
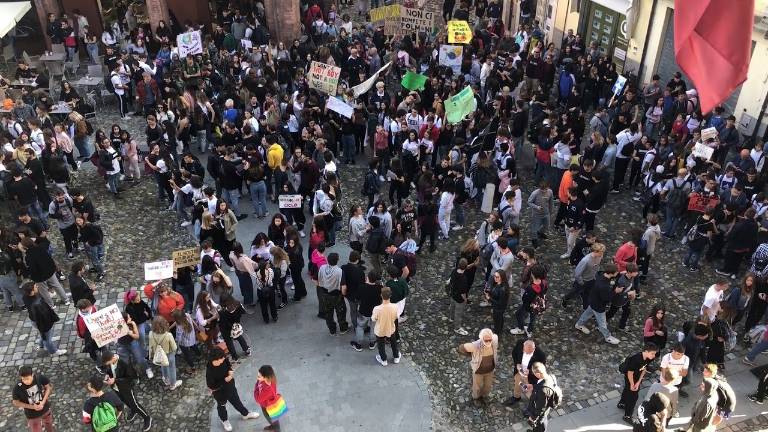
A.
pixel 713 40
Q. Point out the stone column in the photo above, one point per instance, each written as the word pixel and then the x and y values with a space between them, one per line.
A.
pixel 43 8
pixel 283 20
pixel 157 10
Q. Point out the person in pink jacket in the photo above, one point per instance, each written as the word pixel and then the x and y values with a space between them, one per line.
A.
pixel 627 253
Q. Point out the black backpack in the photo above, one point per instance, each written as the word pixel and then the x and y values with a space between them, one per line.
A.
pixel 375 242
pixel 677 199
pixel 369 184
pixel 105 160
pixel 726 398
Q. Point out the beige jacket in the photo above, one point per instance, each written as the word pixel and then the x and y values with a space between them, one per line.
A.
pixel 164 340
pixel 475 349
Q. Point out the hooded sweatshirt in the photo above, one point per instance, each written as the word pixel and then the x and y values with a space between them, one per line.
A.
pixel 329 277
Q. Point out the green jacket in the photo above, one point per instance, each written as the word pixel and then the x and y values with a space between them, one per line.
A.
pixel 399 289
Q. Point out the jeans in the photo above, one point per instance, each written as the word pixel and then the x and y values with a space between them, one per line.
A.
pixel 69 234
pixel 70 54
pixel 625 310
pixel 10 288
pixel 143 332
pixel 96 254
pixel 602 324
pixel 757 349
pixel 330 303
pixel 112 182
pixel 571 235
pixel 48 343
pixel 520 316
pixel 169 372
pixel 444 219
pixel 362 323
pixel 456 311
pixel 37 211
pixel 381 343
pixel 200 136
pixel 459 214
pixel 93 52
pixel 231 344
pixel 353 305
pixel 259 197
pixel 348 145
pixel 46 285
pixel 83 145
pixel 672 221
pixel 232 196
pixel 246 286
pixel 692 258
pixel 178 205
pixel 539 224
pixel 581 290
pixel 267 304
pixel 44 422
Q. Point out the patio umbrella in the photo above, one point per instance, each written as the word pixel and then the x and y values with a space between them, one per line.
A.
pixel 11 14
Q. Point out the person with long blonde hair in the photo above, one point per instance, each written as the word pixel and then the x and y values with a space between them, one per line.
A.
pixel 280 262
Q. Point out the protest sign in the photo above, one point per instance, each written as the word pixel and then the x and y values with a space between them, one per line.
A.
pixel 618 86
pixel 366 85
pixel 339 106
pixel 385 12
pixel 158 270
pixel 247 44
pixel 708 133
pixel 186 257
pixel 106 325
pixel 459 32
pixel 413 81
pixel 323 77
pixel 451 56
pixel 189 43
pixel 411 20
pixel 702 151
pixel 700 203
pixel 460 105
pixel 289 201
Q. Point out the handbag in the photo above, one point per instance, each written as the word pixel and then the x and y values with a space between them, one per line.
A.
pixel 201 336
pixel 237 330
pixel 277 407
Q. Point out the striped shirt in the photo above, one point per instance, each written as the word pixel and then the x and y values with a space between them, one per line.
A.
pixel 184 338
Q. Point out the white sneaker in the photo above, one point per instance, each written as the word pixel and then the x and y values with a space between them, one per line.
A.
pixel 186 223
pixel 612 340
pixel 60 352
pixel 461 331
pixel 227 425
pixel 582 329
pixel 402 319
pixel 378 359
pixel 122 177
pixel 381 178
pixel 457 227
pixel 301 234
pixel 396 360
pixel 516 331
pixel 484 304
pixel 176 385
pixel 150 374
pixel 565 255
pixel 251 415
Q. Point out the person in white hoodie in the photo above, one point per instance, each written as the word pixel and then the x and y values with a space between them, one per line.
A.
pixel 444 211
pixel 647 248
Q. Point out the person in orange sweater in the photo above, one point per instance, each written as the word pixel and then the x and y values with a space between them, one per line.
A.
pixel 166 300
pixel 562 192
pixel 627 253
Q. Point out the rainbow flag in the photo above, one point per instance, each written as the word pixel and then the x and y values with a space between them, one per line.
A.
pixel 277 408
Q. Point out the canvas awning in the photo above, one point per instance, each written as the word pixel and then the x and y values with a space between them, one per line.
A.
pixel 10 14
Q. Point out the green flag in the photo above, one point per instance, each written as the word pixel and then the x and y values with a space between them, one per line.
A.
pixel 413 81
pixel 459 106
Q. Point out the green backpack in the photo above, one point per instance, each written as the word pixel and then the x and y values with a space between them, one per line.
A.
pixel 104 417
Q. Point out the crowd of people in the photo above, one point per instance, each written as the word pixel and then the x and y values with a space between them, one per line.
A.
pixel 231 122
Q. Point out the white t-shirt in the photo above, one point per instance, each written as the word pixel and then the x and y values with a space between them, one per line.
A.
pixel 117 84
pixel 680 365
pixel 712 301
pixel 524 362
pixel 197 193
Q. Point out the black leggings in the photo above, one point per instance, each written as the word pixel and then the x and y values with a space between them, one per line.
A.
pixel 187 353
pixel 231 344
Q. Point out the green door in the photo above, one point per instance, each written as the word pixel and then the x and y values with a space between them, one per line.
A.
pixel 604 26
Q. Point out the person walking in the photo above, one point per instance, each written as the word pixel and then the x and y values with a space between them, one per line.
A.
pixel 599 298
pixel 103 408
pixel 704 411
pixel 231 329
pixel 534 301
pixel 271 402
pixel 32 393
pixel 43 316
pixel 123 376
pixel 384 316
pixel 458 288
pixel 220 379
pixel 484 357
pixel 545 397
pixel 584 276
pixel 329 279
pixel 160 339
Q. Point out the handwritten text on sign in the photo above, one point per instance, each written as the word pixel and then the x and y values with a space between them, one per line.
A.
pixel 415 20
pixel 459 32
pixel 189 44
pixel 158 270
pixel 106 325
pixel 324 77
pixel 289 201
pixel 385 12
pixel 186 257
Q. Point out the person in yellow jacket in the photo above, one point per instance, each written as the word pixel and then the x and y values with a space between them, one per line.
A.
pixel 274 156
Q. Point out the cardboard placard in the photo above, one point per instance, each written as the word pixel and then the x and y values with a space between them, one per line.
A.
pixel 703 151
pixel 459 32
pixel 189 43
pixel 385 12
pixel 246 44
pixel 289 201
pixel 618 86
pixel 708 133
pixel 158 270
pixel 415 20
pixel 366 85
pixel 106 325
pixel 339 106
pixel 451 56
pixel 700 203
pixel 186 257
pixel 323 77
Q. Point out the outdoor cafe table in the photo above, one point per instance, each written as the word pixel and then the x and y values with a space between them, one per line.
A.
pixel 54 62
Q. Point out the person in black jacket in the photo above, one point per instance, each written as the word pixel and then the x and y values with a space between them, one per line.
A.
pixel 192 165
pixel 459 288
pixel 43 315
pixel 213 165
pixel 498 296
pixel 93 238
pixel 352 280
pixel 599 297
pixel 596 196
pixel 427 223
pixel 533 300
pixel 525 354
pixel 543 398
pixel 122 377
pixel 573 219
pixel 230 314
pixel 78 286
pixel 740 242
pixel 634 369
pixel 83 205
pixel 231 181
pixel 220 379
pixel 41 268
